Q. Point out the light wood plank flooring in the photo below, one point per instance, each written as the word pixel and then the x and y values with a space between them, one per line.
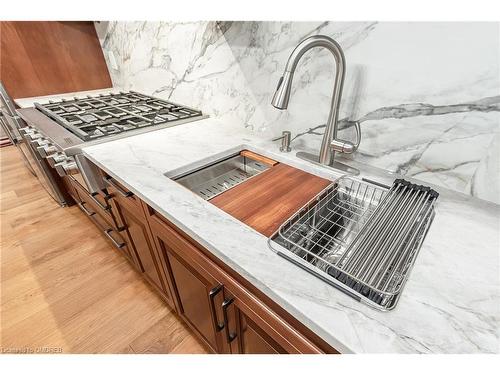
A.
pixel 63 286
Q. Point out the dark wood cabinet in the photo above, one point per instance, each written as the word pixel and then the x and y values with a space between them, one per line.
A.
pixel 196 292
pixel 194 299
pixel 129 215
pixel 223 312
pixel 68 184
pixel 46 57
pixel 222 308
pixel 135 231
pixel 252 339
pixel 91 202
pixel 242 333
pixel 97 209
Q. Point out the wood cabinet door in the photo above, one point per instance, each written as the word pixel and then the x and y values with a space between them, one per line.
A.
pixel 196 290
pixel 242 333
pixel 195 297
pixel 136 232
pixel 241 322
pixel 253 340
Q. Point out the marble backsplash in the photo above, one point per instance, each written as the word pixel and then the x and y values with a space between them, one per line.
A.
pixel 427 94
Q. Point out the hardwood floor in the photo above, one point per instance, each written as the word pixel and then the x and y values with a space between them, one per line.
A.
pixel 63 286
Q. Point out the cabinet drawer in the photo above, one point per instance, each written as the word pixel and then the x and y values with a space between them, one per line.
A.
pixel 140 242
pixel 114 236
pixel 96 202
pixel 68 184
pixel 124 196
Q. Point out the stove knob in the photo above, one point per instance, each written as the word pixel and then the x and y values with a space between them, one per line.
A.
pixel 46 150
pixel 34 136
pixel 66 168
pixel 25 130
pixel 39 142
pixel 56 158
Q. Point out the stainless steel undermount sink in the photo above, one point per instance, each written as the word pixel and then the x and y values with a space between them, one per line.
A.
pixel 212 180
pixel 360 237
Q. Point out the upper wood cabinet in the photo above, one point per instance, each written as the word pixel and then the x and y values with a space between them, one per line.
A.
pixel 45 57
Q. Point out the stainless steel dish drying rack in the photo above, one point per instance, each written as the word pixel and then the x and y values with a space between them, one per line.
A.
pixel 360 237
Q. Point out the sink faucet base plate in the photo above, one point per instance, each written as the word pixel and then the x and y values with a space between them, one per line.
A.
pixel 313 158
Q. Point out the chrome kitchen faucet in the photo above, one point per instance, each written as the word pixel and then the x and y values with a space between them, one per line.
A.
pixel 330 143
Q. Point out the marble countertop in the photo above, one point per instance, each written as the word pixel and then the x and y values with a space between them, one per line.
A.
pixel 451 303
pixel 30 102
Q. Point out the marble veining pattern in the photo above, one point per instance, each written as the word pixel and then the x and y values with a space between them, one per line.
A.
pixel 451 303
pixel 417 72
pixel 426 148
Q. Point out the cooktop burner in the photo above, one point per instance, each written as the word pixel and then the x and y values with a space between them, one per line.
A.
pixel 95 117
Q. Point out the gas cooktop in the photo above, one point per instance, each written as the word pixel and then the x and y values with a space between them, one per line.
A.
pixel 96 117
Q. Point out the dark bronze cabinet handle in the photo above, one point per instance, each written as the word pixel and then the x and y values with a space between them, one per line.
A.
pixel 218 327
pixel 225 305
pixel 119 228
pixel 81 205
pixel 114 213
pixel 107 232
pixel 92 196
pixel 110 181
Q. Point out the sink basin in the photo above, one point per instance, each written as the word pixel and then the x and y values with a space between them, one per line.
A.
pixel 359 237
pixel 214 179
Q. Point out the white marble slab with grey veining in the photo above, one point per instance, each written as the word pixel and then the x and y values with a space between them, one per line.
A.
pixel 429 107
pixel 451 303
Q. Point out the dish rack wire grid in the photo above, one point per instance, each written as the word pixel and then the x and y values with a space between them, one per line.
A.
pixel 325 237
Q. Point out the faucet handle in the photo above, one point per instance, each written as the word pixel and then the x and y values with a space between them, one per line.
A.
pixel 286 138
pixel 347 147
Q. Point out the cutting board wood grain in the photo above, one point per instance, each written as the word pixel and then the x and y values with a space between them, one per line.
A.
pixel 265 201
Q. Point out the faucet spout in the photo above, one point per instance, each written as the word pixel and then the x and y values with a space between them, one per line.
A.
pixel 282 95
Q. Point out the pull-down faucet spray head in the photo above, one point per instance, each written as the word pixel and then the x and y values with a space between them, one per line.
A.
pixel 282 94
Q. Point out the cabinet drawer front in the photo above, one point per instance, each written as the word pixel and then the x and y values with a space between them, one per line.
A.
pixel 116 238
pixel 137 229
pixel 68 184
pixel 97 203
pixel 124 196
